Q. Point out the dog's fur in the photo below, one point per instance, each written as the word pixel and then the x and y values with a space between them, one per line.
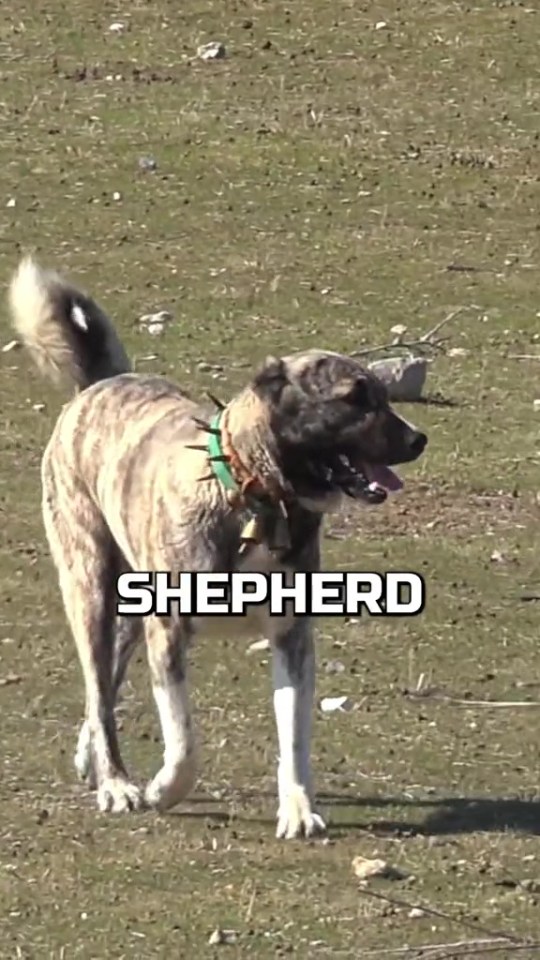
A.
pixel 122 491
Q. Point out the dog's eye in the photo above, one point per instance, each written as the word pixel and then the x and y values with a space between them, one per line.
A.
pixel 362 394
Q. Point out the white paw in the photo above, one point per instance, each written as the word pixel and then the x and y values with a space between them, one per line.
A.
pixel 296 818
pixel 172 784
pixel 84 763
pixel 118 795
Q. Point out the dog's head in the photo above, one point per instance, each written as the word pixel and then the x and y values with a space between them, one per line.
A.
pixel 333 431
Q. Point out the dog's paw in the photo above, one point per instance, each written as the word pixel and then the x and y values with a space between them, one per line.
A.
pixel 171 785
pixel 296 818
pixel 118 795
pixel 83 760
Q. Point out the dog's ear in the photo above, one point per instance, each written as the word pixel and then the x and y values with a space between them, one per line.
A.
pixel 271 379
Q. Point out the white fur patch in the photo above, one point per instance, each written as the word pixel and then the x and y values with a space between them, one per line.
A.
pixel 78 317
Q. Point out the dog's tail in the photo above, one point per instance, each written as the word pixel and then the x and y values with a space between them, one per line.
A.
pixel 66 332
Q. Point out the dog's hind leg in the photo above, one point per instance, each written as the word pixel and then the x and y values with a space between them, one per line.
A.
pixel 87 562
pixel 293 662
pixel 167 642
pixel 128 634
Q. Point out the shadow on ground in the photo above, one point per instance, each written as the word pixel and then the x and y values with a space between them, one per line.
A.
pixel 436 817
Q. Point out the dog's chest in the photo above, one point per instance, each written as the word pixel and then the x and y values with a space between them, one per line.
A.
pixel 257 619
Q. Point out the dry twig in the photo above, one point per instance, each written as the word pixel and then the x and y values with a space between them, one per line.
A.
pixel 427 341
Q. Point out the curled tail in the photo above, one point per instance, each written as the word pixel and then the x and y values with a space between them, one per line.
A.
pixel 67 334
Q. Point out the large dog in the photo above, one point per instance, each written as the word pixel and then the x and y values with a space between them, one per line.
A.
pixel 129 485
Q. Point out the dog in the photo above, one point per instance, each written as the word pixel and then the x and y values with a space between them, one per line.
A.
pixel 129 484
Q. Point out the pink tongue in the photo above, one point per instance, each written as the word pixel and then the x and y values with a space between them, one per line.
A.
pixel 384 476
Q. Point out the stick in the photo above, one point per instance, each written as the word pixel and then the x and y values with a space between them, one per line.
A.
pixel 427 336
pixel 426 340
pixel 471 924
pixel 475 946
pixel 426 695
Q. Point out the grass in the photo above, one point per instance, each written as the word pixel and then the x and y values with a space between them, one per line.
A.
pixel 317 187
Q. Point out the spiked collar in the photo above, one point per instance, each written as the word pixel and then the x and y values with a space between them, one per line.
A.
pixel 244 489
pixel 219 460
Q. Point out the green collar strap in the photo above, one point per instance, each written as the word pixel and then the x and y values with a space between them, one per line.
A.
pixel 220 467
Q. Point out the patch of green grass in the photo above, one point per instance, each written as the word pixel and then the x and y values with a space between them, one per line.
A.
pixel 317 187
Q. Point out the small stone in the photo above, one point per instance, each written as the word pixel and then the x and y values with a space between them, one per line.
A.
pixel 147 164
pixel 117 27
pixel 458 352
pixel 399 329
pixel 531 886
pixel 12 345
pixel 536 404
pixel 416 913
pixel 222 937
pixel 365 869
pixel 11 202
pixel 155 329
pixel 116 195
pixel 212 51
pixel 38 406
pixel 336 704
pixel 335 666
pixel 259 645
pixel 381 25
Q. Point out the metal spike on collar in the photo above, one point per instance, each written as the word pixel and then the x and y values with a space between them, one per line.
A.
pixel 208 476
pixel 221 458
pixel 203 425
pixel 218 403
pixel 196 446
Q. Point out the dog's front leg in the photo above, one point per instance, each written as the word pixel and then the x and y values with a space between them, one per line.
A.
pixel 294 686
pixel 167 641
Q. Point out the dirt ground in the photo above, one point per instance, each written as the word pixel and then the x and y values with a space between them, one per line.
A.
pixel 349 166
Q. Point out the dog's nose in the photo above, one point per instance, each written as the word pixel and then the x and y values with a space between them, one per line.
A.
pixel 417 442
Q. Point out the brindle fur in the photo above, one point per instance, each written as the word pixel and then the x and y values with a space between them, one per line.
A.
pixel 122 491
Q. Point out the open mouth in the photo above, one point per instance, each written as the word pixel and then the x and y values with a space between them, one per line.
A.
pixel 367 481
pixel 357 479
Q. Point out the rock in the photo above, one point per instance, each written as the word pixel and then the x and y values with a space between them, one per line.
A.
pixel 336 704
pixel 259 645
pixel 147 164
pixel 212 51
pixel 404 377
pixel 366 869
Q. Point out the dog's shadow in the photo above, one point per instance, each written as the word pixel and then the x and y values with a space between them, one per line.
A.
pixel 443 816
pixel 436 817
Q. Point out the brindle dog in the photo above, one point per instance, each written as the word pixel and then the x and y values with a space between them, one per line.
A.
pixel 127 486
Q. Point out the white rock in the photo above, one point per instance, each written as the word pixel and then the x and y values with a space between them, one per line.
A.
pixel 12 345
pixel 399 329
pixel 117 27
pixel 221 937
pixel 155 329
pixel 162 316
pixel 333 704
pixel 11 202
pixel 404 377
pixel 364 868
pixel 212 51
pixel 259 645
pixel 381 25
